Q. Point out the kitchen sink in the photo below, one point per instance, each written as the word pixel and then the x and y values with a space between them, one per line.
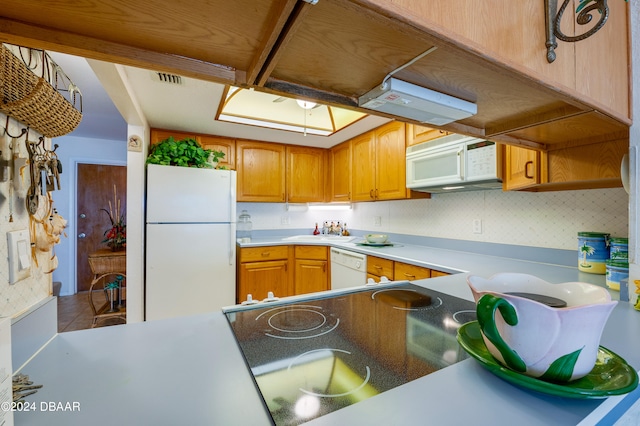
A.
pixel 319 238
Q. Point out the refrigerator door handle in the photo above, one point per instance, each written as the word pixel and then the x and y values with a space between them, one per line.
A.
pixel 231 245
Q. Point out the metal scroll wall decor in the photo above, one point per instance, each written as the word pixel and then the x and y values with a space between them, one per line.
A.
pixel 583 17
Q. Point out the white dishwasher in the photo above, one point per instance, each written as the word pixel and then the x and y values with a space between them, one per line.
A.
pixel 348 269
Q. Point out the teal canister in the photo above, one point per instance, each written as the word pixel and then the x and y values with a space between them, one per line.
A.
pixel 616 272
pixel 619 249
pixel 593 250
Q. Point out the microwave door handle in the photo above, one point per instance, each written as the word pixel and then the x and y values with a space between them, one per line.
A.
pixel 461 163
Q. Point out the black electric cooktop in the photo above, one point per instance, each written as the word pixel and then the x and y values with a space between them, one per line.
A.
pixel 314 356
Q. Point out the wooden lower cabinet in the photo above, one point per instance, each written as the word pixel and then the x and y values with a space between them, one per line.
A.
pixel 261 270
pixel 378 267
pixel 284 270
pixel 405 271
pixel 311 272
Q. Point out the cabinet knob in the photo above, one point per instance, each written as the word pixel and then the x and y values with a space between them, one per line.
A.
pixel 82 235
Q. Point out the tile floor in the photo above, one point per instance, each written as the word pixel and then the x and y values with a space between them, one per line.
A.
pixel 74 312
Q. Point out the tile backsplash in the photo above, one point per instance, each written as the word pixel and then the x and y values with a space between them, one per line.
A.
pixel 545 219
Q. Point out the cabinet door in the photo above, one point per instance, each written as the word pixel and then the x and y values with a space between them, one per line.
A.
pixel 219 143
pixel 522 168
pixel 378 267
pixel 305 174
pixel 390 151
pixel 363 162
pixel 340 185
pixel 261 171
pixel 158 135
pixel 405 271
pixel 418 134
pixel 259 278
pixel 311 276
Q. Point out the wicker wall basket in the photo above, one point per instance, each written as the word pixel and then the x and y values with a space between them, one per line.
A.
pixel 33 101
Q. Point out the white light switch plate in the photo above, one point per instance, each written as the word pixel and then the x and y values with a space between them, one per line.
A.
pixel 19 245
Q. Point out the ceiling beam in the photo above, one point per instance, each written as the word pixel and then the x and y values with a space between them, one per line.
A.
pixel 268 43
pixel 292 24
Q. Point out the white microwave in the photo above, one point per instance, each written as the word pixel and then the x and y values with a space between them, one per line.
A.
pixel 454 163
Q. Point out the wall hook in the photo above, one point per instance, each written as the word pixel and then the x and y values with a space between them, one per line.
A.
pixel 6 130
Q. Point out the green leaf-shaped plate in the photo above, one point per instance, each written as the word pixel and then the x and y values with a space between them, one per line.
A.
pixel 610 376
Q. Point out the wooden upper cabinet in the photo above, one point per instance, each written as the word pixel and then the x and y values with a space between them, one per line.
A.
pixel 378 165
pixel 158 135
pixel 417 134
pixel 306 173
pixel 522 168
pixel 513 33
pixel 391 178
pixel 220 143
pixel 363 167
pixel 340 179
pixel 261 171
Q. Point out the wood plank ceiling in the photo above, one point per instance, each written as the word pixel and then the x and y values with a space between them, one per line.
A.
pixel 333 51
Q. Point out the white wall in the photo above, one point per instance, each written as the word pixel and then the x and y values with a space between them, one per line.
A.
pixel 546 219
pixel 17 298
pixel 71 152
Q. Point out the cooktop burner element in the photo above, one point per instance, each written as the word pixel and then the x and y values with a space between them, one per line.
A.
pixel 319 354
pixel 297 322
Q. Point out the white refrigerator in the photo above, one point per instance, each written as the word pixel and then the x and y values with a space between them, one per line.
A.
pixel 190 241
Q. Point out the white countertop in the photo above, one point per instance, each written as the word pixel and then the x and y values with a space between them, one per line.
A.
pixel 190 370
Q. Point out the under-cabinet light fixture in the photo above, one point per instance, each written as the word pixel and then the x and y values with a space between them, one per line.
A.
pixel 330 206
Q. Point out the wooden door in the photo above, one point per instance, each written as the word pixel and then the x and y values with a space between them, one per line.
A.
pixel 363 167
pixel 418 134
pixel 305 174
pixel 341 172
pixel 522 168
pixel 310 276
pixel 261 171
pixel 219 143
pixel 95 185
pixel 391 177
pixel 405 271
pixel 259 278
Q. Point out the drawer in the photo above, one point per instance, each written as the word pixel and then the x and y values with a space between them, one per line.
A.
pixel 379 267
pixel 405 271
pixel 256 254
pixel 311 252
pixel 435 273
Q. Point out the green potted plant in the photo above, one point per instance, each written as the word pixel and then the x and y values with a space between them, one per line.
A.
pixel 184 153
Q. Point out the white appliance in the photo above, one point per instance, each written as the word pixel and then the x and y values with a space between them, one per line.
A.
pixel 454 163
pixel 190 250
pixel 348 269
pixel 402 99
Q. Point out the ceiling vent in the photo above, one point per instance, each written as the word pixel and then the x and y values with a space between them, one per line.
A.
pixel 163 77
pixel 406 100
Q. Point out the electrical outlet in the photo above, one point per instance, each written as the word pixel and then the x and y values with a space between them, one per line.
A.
pixel 477 226
pixel 284 220
pixel 377 221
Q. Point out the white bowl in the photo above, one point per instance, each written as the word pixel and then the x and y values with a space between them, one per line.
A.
pixel 376 238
